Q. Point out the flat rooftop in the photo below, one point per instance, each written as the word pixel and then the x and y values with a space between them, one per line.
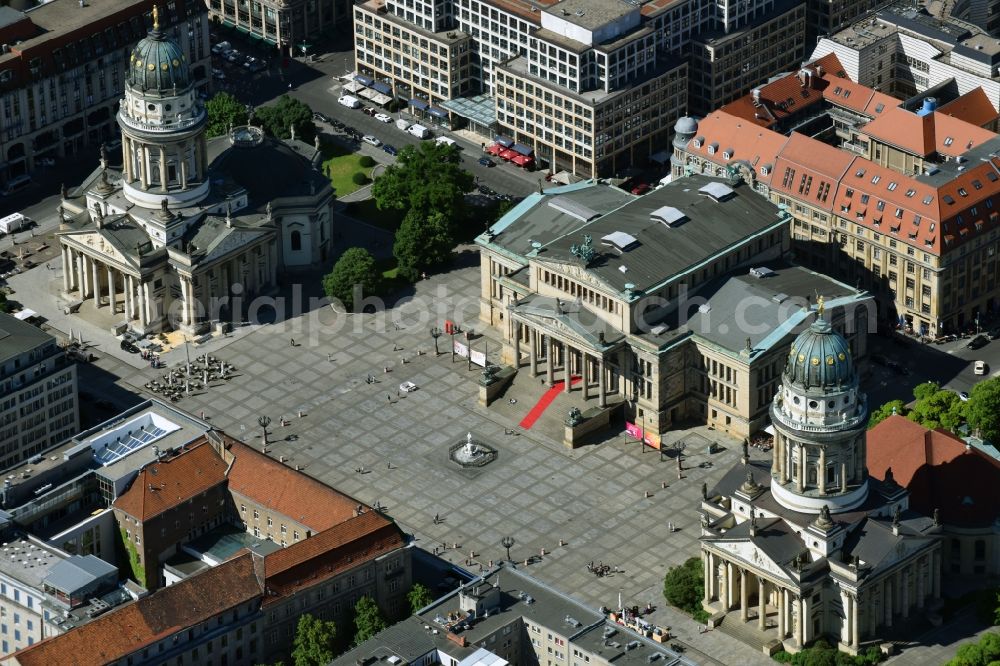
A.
pixel 226 541
pixel 28 561
pixel 18 337
pixel 591 14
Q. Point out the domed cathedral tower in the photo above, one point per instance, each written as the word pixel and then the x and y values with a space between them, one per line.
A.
pixel 684 130
pixel 163 127
pixel 819 418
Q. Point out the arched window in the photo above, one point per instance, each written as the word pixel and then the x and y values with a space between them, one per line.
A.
pixel 296 240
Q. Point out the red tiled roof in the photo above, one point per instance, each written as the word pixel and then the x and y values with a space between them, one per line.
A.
pixel 938 469
pixel 167 611
pixel 286 490
pixel 924 135
pixel 973 107
pixel 809 170
pixel 749 143
pixel 172 481
pixel 330 552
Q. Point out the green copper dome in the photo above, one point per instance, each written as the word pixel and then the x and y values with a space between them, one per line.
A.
pixel 158 64
pixel 820 358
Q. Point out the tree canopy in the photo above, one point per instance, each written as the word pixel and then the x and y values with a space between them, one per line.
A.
pixel 935 407
pixel 887 410
pixel 418 596
pixel 426 178
pixel 354 274
pixel 278 118
pixel 368 619
pixel 224 111
pixel 422 243
pixel 313 644
pixel 684 587
pixel 983 409
pixel 983 653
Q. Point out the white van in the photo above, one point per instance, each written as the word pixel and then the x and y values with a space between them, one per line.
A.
pixel 16 184
pixel 403 124
pixel 419 131
pixel 13 222
pixel 446 141
pixel 349 102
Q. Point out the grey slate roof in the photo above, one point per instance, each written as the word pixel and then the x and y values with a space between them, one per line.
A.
pixel 78 572
pixel 17 337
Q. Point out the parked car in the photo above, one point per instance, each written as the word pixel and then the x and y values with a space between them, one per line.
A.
pixel 248 63
pixel 368 138
pixel 979 368
pixel 390 149
pixel 234 56
pixel 487 162
pixel 880 359
pixel 978 342
pixel 407 387
pixel 369 111
pixel 222 48
pixel 641 188
pixel 218 74
pixel 45 162
pixel 897 368
pixel 383 118
pixel 993 333
pixel 129 346
pixel 258 66
pixel 322 117
pixel 963 396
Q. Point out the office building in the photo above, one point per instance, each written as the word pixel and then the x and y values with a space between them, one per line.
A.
pixel 675 306
pixel 895 197
pixel 808 545
pixel 39 406
pixel 62 71
pixel 508 617
pixel 590 87
pixel 292 27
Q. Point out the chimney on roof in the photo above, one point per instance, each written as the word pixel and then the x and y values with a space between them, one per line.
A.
pixel 927 128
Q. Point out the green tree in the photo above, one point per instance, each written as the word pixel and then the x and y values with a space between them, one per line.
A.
pixel 925 390
pixel 983 409
pixel 887 410
pixel 684 587
pixel 419 597
pixel 224 111
pixel 368 619
pixel 938 409
pixel 422 243
pixel 426 177
pixel 970 654
pixel 278 119
pixel 313 645
pixel 366 161
pixel 356 269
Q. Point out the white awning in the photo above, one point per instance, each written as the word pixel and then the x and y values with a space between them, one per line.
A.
pixel 26 313
pixel 353 87
pixel 381 99
pixel 367 93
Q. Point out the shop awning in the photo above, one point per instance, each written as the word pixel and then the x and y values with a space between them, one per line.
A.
pixel 353 87
pixel 508 154
pixel 383 88
pixel 367 93
pixel 523 160
pixel 521 148
pixel 363 80
pixel 438 113
pixel 494 149
pixel 381 99
pixel 503 141
pixel 418 104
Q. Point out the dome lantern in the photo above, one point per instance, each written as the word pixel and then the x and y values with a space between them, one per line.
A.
pixel 157 63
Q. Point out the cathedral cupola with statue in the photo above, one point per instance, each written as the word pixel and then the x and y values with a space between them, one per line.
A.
pixel 163 126
pixel 185 223
pixel 803 544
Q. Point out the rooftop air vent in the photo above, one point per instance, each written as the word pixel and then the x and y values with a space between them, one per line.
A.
pixel 717 191
pixel 620 240
pixel 668 215
pixel 573 208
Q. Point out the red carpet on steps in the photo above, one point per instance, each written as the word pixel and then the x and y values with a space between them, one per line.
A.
pixel 543 403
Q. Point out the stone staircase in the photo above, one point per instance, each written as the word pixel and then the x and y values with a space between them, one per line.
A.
pixel 746 633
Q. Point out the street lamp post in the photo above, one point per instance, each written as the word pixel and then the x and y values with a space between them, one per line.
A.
pixel 507 542
pixel 263 422
pixel 436 333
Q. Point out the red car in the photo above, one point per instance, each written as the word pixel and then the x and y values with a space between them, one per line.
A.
pixel 641 188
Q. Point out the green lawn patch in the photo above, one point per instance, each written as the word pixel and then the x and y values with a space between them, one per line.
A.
pixel 367 211
pixel 391 279
pixel 340 166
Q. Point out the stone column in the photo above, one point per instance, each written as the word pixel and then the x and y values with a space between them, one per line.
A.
pixel 821 471
pixel 843 477
pixel 743 596
pixel 111 289
pixel 936 573
pixel 730 586
pixel 798 621
pixel 921 588
pixel 203 157
pixel 517 344
pixel 567 367
pixel 127 289
pixel 126 164
pixel 533 352
pixel 67 263
pixel 887 594
pixel 761 603
pixel 602 397
pixel 163 169
pixel 805 618
pixel 782 609
pixel 802 468
pixel 80 275
pixel 96 286
pixel 142 306
pixel 585 357
pixel 142 157
pixel 845 629
pixel 706 561
pixel 182 159
pixel 855 637
pixel 904 592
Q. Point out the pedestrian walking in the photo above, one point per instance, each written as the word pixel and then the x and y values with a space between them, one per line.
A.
pixel 388 397
pixel 292 341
